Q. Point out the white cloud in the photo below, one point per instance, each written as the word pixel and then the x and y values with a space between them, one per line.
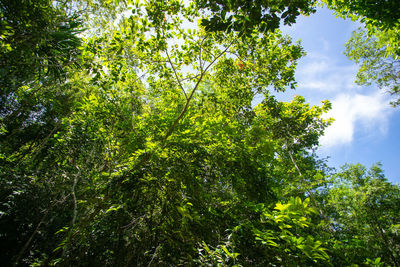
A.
pixel 359 112
pixel 365 114
pixel 323 74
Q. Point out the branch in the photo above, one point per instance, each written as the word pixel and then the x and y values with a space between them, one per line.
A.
pixel 202 73
pixel 294 162
pixel 154 255
pixel 200 53
pixel 311 194
pixel 22 251
pixel 75 212
pixel 176 75
pixel 147 155
pixel 190 78
pixel 27 243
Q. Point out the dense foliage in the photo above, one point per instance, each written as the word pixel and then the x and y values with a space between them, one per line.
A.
pixel 243 16
pixel 130 137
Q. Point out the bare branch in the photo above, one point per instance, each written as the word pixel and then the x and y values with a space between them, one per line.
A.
pixel 176 75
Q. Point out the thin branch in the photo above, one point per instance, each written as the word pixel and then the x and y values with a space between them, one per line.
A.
pixel 171 129
pixel 294 163
pixel 208 51
pixel 75 211
pixel 134 221
pixel 190 78
pixel 200 53
pixel 42 220
pixel 237 55
pixel 22 251
pixel 154 255
pixel 43 143
pixel 76 177
pixel 217 57
pixel 23 104
pixel 311 194
pixel 176 75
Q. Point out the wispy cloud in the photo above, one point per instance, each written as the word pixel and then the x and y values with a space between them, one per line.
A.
pixel 324 75
pixel 358 111
pixel 355 112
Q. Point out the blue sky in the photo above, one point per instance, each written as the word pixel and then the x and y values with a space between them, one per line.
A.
pixel 366 128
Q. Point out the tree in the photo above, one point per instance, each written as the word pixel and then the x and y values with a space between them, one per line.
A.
pixel 39 49
pixel 364 209
pixel 376 47
pixel 384 15
pixel 378 55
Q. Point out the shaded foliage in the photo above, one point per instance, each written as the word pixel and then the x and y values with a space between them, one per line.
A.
pixel 244 16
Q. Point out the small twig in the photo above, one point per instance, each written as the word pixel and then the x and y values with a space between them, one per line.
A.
pixel 190 78
pixel 294 162
pixel 134 221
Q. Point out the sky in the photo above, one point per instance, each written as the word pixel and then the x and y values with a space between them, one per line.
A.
pixel 366 128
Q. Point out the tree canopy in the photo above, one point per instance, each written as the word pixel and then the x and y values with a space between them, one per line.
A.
pixel 244 16
pixel 129 137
